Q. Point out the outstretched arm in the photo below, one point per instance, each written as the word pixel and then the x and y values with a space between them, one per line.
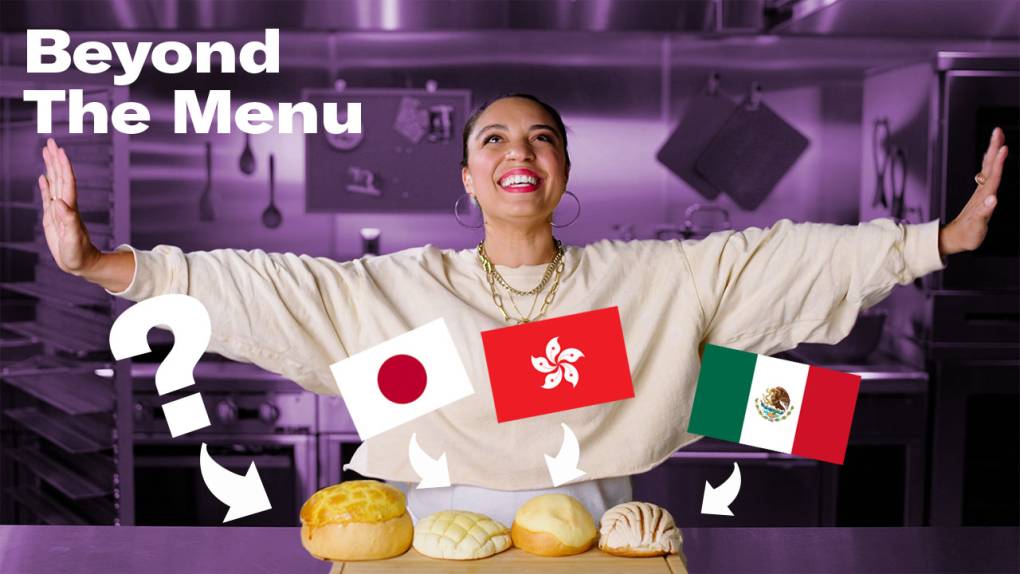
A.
pixel 767 290
pixel 269 309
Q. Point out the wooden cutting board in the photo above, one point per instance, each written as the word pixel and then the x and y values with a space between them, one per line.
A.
pixel 516 561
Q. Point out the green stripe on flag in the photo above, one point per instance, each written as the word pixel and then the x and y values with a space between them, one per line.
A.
pixel 720 400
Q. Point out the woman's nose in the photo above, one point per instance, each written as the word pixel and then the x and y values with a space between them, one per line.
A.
pixel 520 150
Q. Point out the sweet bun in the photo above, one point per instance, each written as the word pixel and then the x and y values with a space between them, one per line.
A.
pixel 639 529
pixel 460 535
pixel 356 520
pixel 553 525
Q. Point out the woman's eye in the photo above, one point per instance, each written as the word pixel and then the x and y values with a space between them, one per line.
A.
pixel 490 138
pixel 545 137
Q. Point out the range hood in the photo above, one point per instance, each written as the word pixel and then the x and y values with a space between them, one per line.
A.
pixel 970 19
pixel 691 16
pixel 893 19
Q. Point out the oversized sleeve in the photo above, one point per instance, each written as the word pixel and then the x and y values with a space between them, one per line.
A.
pixel 276 310
pixel 767 290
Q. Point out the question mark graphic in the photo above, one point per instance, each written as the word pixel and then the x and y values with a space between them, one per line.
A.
pixel 189 321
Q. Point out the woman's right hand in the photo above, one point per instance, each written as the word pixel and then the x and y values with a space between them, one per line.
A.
pixel 65 231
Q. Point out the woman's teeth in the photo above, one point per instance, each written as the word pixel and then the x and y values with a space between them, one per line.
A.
pixel 518 180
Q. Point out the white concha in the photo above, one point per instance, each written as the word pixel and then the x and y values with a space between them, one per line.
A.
pixel 639 529
pixel 460 535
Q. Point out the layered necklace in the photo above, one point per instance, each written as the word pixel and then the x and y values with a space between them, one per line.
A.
pixel 553 271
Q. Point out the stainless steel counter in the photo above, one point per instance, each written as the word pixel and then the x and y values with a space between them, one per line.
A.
pixel 224 550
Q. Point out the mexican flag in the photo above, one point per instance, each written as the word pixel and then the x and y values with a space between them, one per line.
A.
pixel 774 404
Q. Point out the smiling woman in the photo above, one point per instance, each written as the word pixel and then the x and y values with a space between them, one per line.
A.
pixel 515 165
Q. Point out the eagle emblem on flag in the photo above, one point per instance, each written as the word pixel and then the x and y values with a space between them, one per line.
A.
pixel 774 404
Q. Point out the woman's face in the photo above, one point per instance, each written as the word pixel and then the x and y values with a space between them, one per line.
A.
pixel 517 166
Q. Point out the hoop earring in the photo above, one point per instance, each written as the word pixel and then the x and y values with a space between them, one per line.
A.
pixel 576 215
pixel 456 214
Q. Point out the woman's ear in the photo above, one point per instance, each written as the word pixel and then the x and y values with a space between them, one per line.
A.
pixel 469 184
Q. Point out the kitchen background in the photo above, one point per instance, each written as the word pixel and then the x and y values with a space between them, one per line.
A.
pixel 878 109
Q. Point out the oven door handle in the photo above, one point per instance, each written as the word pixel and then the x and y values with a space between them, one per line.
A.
pixel 227 461
pixel 775 457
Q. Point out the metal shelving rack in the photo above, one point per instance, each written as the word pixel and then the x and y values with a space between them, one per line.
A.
pixel 65 404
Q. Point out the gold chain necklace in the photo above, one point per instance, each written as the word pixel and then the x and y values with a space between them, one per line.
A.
pixel 492 275
pixel 490 269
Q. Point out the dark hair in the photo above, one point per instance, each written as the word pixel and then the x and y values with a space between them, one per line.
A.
pixel 557 122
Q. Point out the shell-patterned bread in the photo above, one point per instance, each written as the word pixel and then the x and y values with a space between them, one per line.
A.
pixel 460 535
pixel 639 529
pixel 553 525
pixel 356 520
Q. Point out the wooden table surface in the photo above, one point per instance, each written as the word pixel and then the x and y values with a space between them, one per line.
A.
pixel 516 560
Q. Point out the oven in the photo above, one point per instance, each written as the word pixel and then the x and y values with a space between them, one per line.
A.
pixel 337 440
pixel 256 417
pixel 777 490
pixel 979 93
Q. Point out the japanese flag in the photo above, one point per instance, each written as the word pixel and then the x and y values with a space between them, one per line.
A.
pixel 402 379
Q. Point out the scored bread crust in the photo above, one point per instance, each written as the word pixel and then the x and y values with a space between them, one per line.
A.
pixel 460 535
pixel 639 529
pixel 544 543
pixel 359 540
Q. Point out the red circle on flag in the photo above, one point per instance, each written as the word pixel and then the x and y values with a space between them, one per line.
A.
pixel 402 379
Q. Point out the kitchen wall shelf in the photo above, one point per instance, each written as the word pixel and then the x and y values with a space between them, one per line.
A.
pixel 41 364
pixel 46 508
pixel 33 289
pixel 72 393
pixel 60 476
pixel 72 434
pixel 54 337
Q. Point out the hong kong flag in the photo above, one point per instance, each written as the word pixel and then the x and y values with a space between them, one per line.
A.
pixel 557 364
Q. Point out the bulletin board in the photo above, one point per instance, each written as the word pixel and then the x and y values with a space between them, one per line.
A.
pixel 406 160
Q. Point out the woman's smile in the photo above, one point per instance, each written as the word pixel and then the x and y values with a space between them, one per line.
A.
pixel 519 180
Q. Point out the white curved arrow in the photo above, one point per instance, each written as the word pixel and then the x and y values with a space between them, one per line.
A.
pixel 563 468
pixel 718 500
pixel 434 472
pixel 245 495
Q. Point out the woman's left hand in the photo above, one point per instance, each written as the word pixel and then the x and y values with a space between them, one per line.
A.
pixel 968 230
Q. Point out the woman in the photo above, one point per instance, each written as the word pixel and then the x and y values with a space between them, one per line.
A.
pixel 761 290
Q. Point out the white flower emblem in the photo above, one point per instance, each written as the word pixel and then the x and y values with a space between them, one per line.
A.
pixel 558 365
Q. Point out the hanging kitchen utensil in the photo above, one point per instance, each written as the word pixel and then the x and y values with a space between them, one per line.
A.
pixel 705 115
pixel 752 151
pixel 897 181
pixel 271 217
pixel 247 162
pixel 880 151
pixel 206 211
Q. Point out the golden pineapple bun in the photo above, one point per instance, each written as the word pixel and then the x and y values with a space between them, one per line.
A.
pixel 356 520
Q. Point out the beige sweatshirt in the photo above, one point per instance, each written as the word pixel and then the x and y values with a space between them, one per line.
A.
pixel 759 290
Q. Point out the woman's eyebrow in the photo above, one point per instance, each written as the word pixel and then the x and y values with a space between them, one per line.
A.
pixel 491 126
pixel 534 127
